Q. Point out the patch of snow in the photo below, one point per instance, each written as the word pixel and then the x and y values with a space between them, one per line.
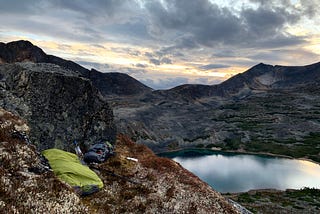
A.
pixel 267 79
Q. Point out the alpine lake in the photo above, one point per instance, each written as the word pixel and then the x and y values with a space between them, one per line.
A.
pixel 233 172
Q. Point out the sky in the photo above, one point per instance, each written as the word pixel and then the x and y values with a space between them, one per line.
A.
pixel 165 43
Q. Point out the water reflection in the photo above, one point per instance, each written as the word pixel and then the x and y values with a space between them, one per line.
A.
pixel 238 173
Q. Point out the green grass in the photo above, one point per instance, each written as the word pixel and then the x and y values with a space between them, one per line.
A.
pixel 308 147
pixel 245 198
pixel 232 143
pixel 312 192
pixel 289 201
pixel 249 125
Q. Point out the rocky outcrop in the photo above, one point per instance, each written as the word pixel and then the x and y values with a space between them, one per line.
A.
pixel 25 51
pixel 150 185
pixel 59 105
pixel 21 51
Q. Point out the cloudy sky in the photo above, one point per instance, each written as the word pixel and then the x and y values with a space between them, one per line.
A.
pixel 165 43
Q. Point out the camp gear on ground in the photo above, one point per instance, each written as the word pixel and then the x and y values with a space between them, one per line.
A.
pixel 132 159
pixel 109 172
pixel 67 167
pixel 98 153
pixel 42 167
pixel 78 150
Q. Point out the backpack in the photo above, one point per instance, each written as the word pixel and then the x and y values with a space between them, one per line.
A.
pixel 99 153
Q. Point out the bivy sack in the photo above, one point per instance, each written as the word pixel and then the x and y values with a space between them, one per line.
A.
pixel 68 168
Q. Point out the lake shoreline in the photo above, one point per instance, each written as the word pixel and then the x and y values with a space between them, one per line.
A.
pixel 238 152
pixel 202 151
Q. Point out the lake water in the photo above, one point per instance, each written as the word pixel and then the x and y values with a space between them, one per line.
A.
pixel 227 172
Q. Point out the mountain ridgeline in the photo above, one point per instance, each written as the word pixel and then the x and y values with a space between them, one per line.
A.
pixel 272 109
pixel 261 77
pixel 25 51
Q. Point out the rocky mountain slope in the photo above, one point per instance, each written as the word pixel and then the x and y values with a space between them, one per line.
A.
pixel 117 84
pixel 271 109
pixel 151 185
pixel 259 78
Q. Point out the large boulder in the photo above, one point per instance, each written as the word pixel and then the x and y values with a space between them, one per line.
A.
pixel 59 105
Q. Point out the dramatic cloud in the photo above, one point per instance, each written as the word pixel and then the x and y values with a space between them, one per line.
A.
pixel 213 66
pixel 139 65
pixel 163 60
pixel 169 37
pixel 201 21
pixel 207 24
pixel 97 66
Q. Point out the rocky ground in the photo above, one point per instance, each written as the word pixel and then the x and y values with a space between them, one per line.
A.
pixel 150 185
pixel 25 185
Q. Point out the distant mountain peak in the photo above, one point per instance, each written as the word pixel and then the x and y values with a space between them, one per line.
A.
pixel 21 43
pixel 258 78
pixel 19 51
pixel 117 83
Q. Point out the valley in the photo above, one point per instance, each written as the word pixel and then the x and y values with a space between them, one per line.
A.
pixel 280 122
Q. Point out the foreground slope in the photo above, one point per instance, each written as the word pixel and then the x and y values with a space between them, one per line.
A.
pixel 151 185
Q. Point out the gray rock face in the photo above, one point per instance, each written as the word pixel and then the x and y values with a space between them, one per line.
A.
pixel 59 105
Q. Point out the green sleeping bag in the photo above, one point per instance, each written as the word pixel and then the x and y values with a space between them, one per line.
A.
pixel 67 167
